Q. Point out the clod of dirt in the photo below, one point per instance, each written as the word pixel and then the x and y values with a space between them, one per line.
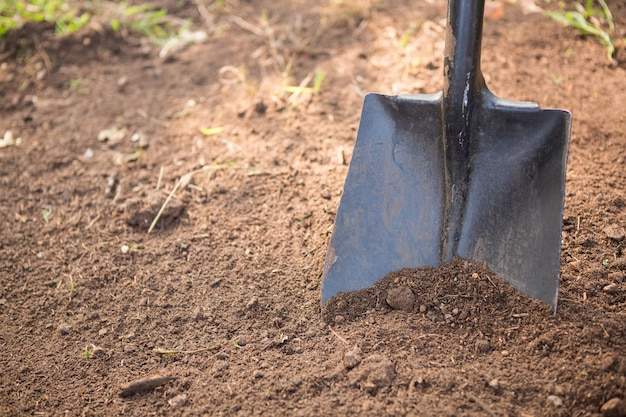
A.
pixel 483 346
pixel 615 232
pixel 377 372
pixel 141 212
pixel 64 329
pixel 615 407
pixel 352 358
pixel 401 298
pixel 616 276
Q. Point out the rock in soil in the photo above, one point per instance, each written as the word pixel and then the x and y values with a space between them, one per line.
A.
pixel 64 329
pixel 352 358
pixel 401 298
pixel 615 407
pixel 178 401
pixel 614 232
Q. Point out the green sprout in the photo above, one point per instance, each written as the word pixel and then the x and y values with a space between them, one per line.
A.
pixel 589 20
pixel 87 353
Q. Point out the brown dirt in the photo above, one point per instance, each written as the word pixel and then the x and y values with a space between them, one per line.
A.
pixel 217 311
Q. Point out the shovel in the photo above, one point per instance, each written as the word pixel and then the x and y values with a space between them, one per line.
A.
pixel 459 173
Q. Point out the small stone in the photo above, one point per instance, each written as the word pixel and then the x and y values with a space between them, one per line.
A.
pixel 504 353
pixel 555 401
pixel 401 298
pixel 253 303
pixel 615 407
pixel 97 351
pixel 614 232
pixel 260 107
pixel 64 328
pixel 124 249
pixel 339 319
pixel 352 358
pixel 258 374
pixel 423 308
pixel 612 288
pixel 494 383
pixel 294 384
pixel 342 305
pixel 178 401
pixel 483 346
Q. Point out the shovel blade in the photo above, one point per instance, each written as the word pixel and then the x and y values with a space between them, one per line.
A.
pixel 392 214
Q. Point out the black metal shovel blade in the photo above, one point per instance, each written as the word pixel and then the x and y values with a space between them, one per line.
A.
pixel 394 207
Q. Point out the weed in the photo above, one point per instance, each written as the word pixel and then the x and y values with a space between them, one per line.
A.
pixel 69 16
pixel 589 19
pixel 87 353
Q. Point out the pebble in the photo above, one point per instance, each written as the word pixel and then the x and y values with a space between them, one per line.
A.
pixel 258 374
pixel 614 232
pixel 64 328
pixel 555 401
pixel 401 298
pixel 352 358
pixel 611 288
pixel 483 346
pixel 339 319
pixel 615 407
pixel 253 303
pixel 178 401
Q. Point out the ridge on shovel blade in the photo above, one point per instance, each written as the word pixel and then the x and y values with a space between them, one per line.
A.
pixel 459 173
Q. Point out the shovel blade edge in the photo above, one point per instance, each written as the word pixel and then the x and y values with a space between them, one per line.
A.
pixel 392 211
pixel 513 215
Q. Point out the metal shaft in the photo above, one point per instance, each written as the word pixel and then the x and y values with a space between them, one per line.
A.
pixel 463 83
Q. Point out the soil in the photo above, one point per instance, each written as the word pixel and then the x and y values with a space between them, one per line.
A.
pixel 215 308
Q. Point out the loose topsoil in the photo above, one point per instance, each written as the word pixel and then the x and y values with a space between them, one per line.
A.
pixel 214 309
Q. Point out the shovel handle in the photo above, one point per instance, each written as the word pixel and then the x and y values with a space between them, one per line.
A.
pixel 462 91
pixel 462 75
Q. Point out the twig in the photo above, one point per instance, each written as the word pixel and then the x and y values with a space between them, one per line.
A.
pixel 338 336
pixel 44 55
pixel 183 181
pixel 492 283
pixel 161 351
pixel 247 26
pixel 145 384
